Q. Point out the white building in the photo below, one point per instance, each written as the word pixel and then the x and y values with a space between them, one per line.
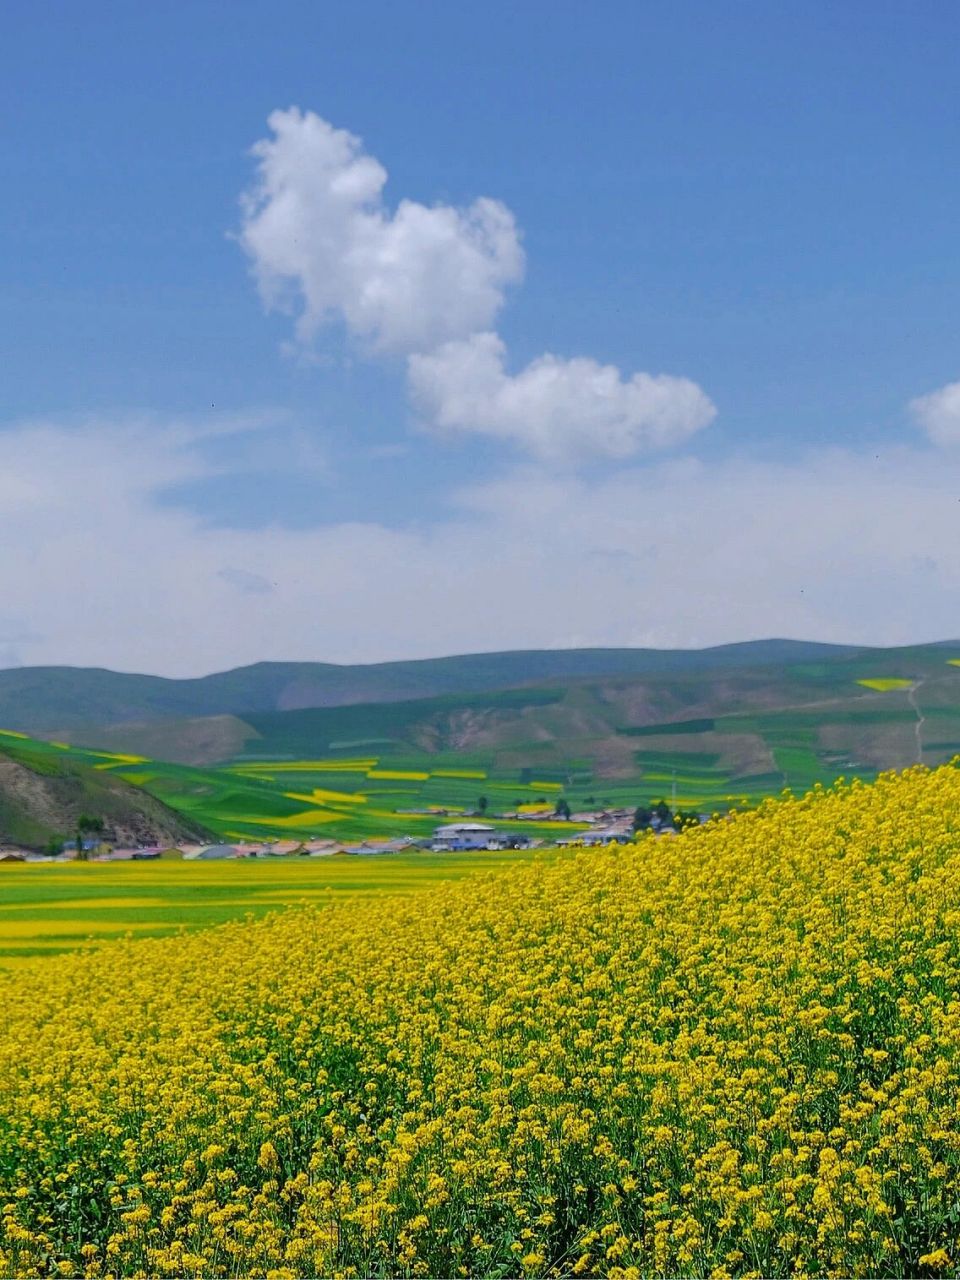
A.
pixel 465 835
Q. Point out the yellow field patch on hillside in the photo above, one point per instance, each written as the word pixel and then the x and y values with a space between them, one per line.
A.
pixel 460 773
pixel 295 821
pixel 110 761
pixel 53 945
pixel 399 775
pixel 12 733
pixel 886 684
pixel 87 904
pixel 531 806
pixel 953 662
pixel 546 786
pixel 11 929
pixel 320 795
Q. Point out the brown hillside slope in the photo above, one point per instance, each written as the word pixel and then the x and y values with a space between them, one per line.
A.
pixel 40 802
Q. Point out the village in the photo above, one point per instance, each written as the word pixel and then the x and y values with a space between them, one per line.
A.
pixel 606 827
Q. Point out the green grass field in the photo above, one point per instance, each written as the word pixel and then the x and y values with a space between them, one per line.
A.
pixel 47 910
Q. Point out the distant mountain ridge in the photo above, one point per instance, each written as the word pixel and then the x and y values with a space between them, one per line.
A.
pixel 50 699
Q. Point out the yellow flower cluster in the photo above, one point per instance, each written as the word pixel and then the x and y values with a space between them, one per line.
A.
pixel 732 1053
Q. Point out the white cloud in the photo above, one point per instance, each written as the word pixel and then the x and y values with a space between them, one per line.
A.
pixel 554 408
pixel 96 570
pixel 939 414
pixel 324 245
pixel 428 282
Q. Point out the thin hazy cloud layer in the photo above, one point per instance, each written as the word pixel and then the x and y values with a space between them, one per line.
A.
pixel 427 282
pixel 661 555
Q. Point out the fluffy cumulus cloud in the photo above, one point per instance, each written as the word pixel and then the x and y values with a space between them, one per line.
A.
pixel 554 408
pixel 324 244
pixel 98 569
pixel 427 282
pixel 938 414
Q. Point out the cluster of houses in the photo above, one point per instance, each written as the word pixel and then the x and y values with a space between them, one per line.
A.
pixel 610 827
pixel 613 826
pixel 293 848
pixel 89 851
pixel 94 852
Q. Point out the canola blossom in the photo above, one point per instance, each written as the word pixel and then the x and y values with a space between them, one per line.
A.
pixel 733 1052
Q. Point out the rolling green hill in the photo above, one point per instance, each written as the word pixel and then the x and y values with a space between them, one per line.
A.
pixel 846 712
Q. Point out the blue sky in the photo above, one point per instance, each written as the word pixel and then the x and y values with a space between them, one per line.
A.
pixel 752 208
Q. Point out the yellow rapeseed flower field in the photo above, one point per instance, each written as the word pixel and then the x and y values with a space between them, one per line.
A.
pixel 735 1052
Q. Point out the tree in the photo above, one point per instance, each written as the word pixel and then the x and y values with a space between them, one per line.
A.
pixel 87 825
pixel 482 805
pixel 562 809
pixel 686 818
pixel 662 810
pixel 642 818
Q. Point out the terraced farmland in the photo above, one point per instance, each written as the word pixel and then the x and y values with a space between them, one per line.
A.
pixel 703 741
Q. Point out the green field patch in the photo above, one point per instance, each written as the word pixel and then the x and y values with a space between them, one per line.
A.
pixel 801 767
pixel 61 928
pixel 527 775
pixel 815 671
pixel 759 783
pixel 305 766
pixel 378 793
pixel 680 759
pixel 118 903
